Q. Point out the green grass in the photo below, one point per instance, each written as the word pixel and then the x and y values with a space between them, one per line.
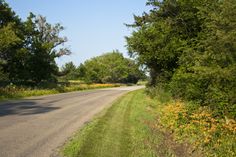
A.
pixel 122 131
pixel 17 92
pixel 139 83
pixel 140 126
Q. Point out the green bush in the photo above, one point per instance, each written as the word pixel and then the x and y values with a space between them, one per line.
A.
pixel 213 87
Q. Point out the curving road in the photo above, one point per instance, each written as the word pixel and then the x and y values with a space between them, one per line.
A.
pixel 38 126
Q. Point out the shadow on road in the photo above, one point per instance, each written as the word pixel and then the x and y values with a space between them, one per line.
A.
pixel 25 108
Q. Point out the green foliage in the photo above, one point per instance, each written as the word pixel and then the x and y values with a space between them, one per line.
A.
pixel 28 49
pixel 190 47
pixel 43 40
pixel 11 39
pixel 207 72
pixel 111 67
pixel 8 37
pixel 206 134
pixel 70 71
pixel 159 93
pixel 81 70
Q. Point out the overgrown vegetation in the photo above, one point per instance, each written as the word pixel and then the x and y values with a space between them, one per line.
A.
pixel 14 92
pixel 195 125
pixel 190 48
pixel 138 125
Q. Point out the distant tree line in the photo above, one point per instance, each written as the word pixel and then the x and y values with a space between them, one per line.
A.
pixel 110 67
pixel 28 50
pixel 189 47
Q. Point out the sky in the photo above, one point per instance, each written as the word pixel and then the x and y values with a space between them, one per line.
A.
pixel 93 27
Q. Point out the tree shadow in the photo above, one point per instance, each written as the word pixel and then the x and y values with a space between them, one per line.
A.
pixel 25 108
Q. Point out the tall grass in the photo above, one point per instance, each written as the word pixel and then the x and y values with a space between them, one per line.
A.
pixel 14 92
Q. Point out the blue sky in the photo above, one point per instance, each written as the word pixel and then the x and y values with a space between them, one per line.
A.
pixel 93 27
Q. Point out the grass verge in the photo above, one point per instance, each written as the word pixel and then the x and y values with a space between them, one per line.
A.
pixel 126 129
pixel 139 126
pixel 16 92
pixel 120 132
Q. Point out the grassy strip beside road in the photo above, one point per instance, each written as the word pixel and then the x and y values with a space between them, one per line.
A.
pixel 120 132
pixel 15 92
pixel 138 126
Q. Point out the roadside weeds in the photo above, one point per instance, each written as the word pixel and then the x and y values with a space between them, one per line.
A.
pixel 128 128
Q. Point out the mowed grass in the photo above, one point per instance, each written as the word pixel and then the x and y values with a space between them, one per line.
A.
pixel 139 126
pixel 122 131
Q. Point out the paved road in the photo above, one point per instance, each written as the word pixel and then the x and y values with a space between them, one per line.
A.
pixel 38 126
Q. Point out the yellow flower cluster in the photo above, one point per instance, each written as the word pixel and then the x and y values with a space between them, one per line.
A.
pixel 230 125
pixel 101 85
pixel 199 126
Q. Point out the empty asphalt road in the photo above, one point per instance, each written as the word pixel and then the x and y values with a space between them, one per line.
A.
pixel 38 126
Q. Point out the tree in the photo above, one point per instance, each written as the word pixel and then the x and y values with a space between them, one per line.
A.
pixel 154 43
pixel 28 49
pixel 42 41
pixel 70 71
pixel 11 39
pixel 111 68
pixel 190 47
pixel 207 75
pixel 81 70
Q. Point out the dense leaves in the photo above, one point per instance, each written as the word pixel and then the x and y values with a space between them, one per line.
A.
pixel 28 48
pixel 190 47
pixel 70 72
pixel 111 67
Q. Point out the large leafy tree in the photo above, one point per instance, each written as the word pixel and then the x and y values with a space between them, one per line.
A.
pixel 207 71
pixel 81 70
pixel 112 67
pixel 28 49
pixel 190 46
pixel 70 72
pixel 11 38
pixel 42 42
pixel 154 43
